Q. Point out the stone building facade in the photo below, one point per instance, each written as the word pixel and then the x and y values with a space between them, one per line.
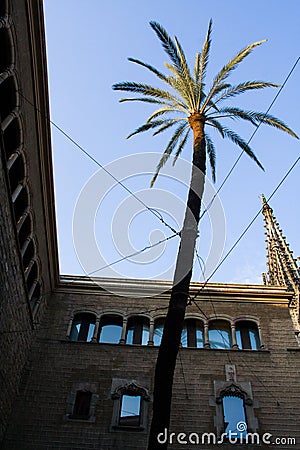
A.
pixel 77 359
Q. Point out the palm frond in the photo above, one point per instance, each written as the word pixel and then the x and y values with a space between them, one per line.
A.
pixel 186 75
pixel 182 87
pixel 232 91
pixel 145 89
pixel 162 111
pixel 234 62
pixel 229 67
pixel 146 127
pixel 216 124
pixel 181 146
pixel 273 122
pixel 256 118
pixel 236 113
pixel 197 68
pixel 143 99
pixel 236 139
pixel 149 67
pixel 167 43
pixel 211 151
pixel 167 124
pixel 168 151
pixel 204 62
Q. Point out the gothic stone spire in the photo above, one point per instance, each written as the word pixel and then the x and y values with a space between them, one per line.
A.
pixel 283 269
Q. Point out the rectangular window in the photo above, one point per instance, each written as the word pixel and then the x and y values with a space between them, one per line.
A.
pixel 234 416
pixel 130 411
pixel 82 405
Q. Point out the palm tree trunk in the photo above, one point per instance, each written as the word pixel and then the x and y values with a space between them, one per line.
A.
pixel 170 343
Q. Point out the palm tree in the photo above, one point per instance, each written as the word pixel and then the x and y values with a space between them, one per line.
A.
pixel 187 106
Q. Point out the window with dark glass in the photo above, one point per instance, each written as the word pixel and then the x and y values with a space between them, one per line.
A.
pixel 192 333
pixel 219 334
pixel 158 331
pixel 234 416
pixel 247 336
pixel 83 327
pixel 130 411
pixel 110 329
pixel 82 405
pixel 137 331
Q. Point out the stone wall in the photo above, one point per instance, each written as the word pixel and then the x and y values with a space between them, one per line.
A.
pixel 57 364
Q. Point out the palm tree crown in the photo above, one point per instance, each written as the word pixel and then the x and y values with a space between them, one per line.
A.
pixel 187 101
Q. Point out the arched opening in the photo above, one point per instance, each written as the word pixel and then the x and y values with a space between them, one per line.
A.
pixel 110 330
pixel 137 330
pixel 219 334
pixel 247 335
pixel 192 333
pixel 83 327
pixel 158 331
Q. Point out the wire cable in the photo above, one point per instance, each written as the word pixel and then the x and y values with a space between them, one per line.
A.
pixel 153 211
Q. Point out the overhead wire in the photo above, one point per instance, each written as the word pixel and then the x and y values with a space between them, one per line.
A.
pixel 153 211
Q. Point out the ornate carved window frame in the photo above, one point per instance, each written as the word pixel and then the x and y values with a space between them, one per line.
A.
pixel 241 390
pixel 122 387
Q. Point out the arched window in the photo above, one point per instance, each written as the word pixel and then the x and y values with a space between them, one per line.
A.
pixel 83 327
pixel 247 335
pixel 110 329
pixel 137 330
pixel 219 334
pixel 192 333
pixel 158 331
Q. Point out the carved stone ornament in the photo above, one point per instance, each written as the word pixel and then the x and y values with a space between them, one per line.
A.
pixel 234 390
pixel 130 389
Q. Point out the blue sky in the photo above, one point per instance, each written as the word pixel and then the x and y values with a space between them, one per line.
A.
pixel 88 44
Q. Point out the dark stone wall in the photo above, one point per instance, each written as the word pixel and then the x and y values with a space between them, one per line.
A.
pixel 57 364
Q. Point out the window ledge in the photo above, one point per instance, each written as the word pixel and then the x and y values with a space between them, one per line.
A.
pixel 69 418
pixel 127 428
